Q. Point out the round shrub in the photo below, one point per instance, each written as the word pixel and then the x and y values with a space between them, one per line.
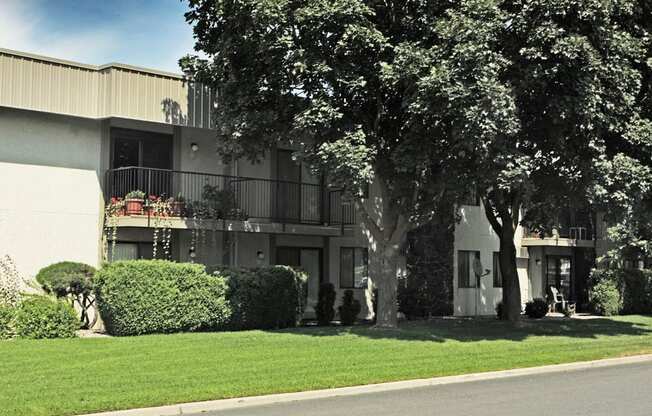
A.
pixel 536 308
pixel 7 315
pixel 157 296
pixel 42 317
pixel 499 309
pixel 265 297
pixel 66 277
pixel 605 298
pixel 350 308
pixel 325 304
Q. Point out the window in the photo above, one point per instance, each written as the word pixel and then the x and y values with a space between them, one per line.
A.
pixel 354 267
pixel 134 251
pixel 498 277
pixel 465 276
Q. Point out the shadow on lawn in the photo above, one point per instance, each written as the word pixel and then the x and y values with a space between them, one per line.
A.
pixel 469 330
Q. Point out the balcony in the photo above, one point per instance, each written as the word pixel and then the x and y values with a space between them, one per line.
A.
pixel 202 200
pixel 574 229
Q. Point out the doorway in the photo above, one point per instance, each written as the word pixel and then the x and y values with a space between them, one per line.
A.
pixel 288 187
pixel 310 261
pixel 559 274
pixel 141 150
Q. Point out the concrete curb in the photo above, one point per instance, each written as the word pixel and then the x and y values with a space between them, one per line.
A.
pixel 243 402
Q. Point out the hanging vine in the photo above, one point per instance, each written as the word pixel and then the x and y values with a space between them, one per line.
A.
pixel 114 209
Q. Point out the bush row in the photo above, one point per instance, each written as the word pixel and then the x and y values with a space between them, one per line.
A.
pixel 155 296
pixel 627 291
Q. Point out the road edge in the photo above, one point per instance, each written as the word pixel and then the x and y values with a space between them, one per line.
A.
pixel 244 402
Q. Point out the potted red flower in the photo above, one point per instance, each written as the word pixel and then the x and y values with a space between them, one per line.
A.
pixel 134 202
pixel 178 206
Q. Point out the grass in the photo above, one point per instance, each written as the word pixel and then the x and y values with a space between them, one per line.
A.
pixel 63 377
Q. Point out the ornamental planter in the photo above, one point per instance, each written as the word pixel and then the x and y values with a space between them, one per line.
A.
pixel 134 206
pixel 178 208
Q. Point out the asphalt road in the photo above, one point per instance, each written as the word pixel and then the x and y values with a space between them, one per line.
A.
pixel 624 390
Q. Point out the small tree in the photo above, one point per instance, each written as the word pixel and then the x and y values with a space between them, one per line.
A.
pixel 71 280
pixel 10 283
pixel 325 304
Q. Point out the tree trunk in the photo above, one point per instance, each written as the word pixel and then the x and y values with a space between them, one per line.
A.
pixel 511 285
pixel 387 284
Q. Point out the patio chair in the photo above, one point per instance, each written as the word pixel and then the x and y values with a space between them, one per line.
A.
pixel 557 298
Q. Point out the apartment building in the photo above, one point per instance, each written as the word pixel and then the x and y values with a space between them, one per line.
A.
pixel 75 137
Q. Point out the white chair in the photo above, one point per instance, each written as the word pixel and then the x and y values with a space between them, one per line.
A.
pixel 557 299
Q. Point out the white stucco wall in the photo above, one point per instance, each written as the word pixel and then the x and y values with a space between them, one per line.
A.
pixel 51 203
pixel 474 233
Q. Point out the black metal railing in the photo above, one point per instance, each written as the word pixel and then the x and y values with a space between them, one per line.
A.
pixel 572 224
pixel 235 196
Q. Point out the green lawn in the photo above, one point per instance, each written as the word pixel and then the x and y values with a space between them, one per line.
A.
pixel 83 375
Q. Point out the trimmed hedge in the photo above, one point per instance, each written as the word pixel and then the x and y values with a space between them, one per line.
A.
pixel 40 317
pixel 7 315
pixel 605 298
pixel 634 289
pixel 265 297
pixel 537 308
pixel 66 277
pixel 157 296
pixel 350 308
pixel 325 304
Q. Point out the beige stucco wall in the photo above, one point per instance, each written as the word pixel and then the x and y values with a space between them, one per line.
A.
pixel 51 203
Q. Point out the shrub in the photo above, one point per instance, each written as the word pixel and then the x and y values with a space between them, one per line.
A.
pixel 605 298
pixel 350 308
pixel 325 304
pixel 153 296
pixel 536 308
pixel 43 317
pixel 265 297
pixel 7 315
pixel 66 277
pixel 637 291
pixel 499 309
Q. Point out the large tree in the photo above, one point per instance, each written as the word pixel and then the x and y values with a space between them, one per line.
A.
pixel 529 93
pixel 333 78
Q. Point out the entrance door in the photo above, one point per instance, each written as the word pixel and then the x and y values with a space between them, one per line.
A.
pixel 288 187
pixel 309 260
pixel 559 275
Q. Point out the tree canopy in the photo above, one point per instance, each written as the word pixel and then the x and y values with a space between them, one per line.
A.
pixel 521 99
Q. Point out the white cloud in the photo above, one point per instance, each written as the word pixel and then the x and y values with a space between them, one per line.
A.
pixel 23 29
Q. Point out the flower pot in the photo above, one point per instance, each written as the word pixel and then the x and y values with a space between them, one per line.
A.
pixel 134 206
pixel 178 208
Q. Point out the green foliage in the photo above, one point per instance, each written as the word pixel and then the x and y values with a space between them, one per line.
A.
pixel 427 289
pixel 499 310
pixel 10 282
pixel 536 308
pixel 350 308
pixel 64 278
pixel 137 194
pixel 7 324
pixel 40 317
pixel 265 297
pixel 325 304
pixel 149 296
pixel 637 293
pixel 605 298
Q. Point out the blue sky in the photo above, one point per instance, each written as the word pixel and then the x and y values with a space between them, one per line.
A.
pixel 149 33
